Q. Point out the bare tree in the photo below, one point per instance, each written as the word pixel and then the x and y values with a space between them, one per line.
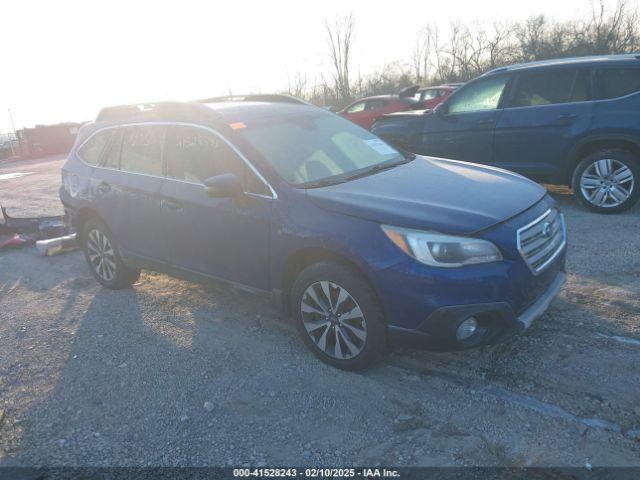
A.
pixel 422 53
pixel 472 49
pixel 613 33
pixel 339 38
pixel 298 86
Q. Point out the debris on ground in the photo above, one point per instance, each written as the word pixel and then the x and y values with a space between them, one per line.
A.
pixel 11 240
pixel 54 246
pixel 51 234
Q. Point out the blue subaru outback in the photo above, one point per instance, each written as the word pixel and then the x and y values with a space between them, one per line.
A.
pixel 570 122
pixel 359 242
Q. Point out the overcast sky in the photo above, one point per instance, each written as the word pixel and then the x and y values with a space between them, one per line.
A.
pixel 63 60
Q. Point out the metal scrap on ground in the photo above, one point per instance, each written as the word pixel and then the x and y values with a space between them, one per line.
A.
pixel 52 235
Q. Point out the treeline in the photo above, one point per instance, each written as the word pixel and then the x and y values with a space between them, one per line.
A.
pixel 466 51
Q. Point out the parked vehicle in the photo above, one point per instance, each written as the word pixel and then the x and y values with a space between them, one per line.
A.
pixel 357 241
pixel 431 97
pixel 365 111
pixel 568 122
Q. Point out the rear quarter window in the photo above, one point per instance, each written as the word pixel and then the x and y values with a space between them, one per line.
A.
pixel 617 82
pixel 91 151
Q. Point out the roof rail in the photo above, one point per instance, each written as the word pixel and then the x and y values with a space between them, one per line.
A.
pixel 256 97
pixel 156 110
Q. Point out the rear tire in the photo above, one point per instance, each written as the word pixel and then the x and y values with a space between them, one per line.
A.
pixel 607 181
pixel 338 316
pixel 101 252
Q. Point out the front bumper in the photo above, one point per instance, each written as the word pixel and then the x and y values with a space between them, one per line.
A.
pixel 540 306
pixel 437 331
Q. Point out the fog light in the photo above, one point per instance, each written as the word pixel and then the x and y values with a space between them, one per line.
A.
pixel 467 328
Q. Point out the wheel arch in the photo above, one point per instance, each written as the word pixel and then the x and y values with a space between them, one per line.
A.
pixel 592 144
pixel 81 217
pixel 304 257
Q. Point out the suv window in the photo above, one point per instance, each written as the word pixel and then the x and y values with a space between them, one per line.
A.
pixel 193 155
pixel 142 149
pixel 481 95
pixel 112 155
pixel 430 93
pixel 376 103
pixel 92 149
pixel 617 82
pixel 311 148
pixel 356 107
pixel 551 87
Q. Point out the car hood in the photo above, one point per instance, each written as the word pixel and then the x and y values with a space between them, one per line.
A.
pixel 432 193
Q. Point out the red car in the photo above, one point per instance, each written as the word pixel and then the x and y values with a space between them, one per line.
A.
pixel 429 97
pixel 366 111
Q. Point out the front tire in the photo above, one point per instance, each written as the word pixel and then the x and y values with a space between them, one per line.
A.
pixel 103 258
pixel 338 316
pixel 607 181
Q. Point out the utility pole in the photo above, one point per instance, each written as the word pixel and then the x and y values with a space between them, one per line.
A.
pixel 15 134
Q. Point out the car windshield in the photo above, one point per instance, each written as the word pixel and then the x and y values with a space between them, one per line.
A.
pixel 316 150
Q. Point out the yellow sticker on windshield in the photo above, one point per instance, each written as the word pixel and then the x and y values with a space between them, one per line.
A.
pixel 237 125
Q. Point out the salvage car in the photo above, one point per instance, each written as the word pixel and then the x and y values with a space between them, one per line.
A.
pixel 359 242
pixel 431 97
pixel 568 122
pixel 365 111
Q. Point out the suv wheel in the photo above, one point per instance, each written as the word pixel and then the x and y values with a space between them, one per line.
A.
pixel 607 181
pixel 338 316
pixel 103 258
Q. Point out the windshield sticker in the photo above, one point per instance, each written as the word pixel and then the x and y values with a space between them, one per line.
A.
pixel 380 147
pixel 237 125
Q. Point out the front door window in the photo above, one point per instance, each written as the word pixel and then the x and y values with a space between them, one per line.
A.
pixel 479 96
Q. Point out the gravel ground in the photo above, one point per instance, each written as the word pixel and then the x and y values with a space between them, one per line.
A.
pixel 173 373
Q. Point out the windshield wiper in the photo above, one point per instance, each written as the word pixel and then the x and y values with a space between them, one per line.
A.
pixel 325 182
pixel 379 167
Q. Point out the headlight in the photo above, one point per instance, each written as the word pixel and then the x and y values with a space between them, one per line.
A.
pixel 440 250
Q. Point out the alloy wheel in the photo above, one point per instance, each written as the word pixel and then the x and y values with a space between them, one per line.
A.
pixel 607 183
pixel 101 255
pixel 333 320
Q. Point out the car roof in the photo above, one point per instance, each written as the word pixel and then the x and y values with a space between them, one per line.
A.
pixel 590 60
pixel 444 85
pixel 228 109
pixel 233 111
pixel 377 97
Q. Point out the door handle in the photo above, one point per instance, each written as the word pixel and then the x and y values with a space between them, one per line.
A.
pixel 566 116
pixel 171 205
pixel 104 187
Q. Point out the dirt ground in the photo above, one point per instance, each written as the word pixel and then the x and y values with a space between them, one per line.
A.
pixel 172 373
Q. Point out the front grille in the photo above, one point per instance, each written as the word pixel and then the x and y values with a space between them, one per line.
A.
pixel 541 241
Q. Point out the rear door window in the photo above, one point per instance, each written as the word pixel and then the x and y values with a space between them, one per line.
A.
pixel 552 87
pixel 142 149
pixel 617 82
pixel 91 151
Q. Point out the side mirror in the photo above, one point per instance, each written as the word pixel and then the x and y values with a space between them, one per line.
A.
pixel 224 185
pixel 440 109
